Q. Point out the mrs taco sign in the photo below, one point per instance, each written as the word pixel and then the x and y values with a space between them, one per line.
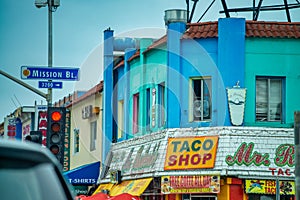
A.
pixel 282 163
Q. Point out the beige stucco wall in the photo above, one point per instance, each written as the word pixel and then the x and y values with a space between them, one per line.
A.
pixel 85 156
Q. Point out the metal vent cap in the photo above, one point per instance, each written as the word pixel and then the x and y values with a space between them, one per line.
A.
pixel 175 15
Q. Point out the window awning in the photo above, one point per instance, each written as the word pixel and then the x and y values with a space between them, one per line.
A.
pixel 133 187
pixel 84 175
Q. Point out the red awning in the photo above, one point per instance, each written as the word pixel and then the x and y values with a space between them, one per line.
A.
pixel 102 196
pixel 124 196
pixel 98 196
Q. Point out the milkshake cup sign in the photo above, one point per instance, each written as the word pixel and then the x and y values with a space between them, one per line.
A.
pixel 236 102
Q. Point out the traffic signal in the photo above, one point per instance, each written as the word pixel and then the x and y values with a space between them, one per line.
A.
pixel 35 136
pixel 56 120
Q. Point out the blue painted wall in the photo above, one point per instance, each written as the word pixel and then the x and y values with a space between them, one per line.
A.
pixel 174 74
pixel 231 57
pixel 126 77
pixel 199 58
pixel 107 93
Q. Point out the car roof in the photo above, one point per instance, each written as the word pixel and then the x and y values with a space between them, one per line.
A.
pixel 29 151
pixel 18 154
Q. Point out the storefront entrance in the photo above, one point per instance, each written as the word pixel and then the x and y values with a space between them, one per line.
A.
pixel 203 197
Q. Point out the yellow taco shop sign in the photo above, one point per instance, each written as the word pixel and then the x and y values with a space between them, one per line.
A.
pixel 191 152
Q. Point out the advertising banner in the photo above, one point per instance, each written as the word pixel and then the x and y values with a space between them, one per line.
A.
pixel 191 152
pixel 10 128
pixel 269 187
pixel 190 184
pixel 67 142
pixel 41 121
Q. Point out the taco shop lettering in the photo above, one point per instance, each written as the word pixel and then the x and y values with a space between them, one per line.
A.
pixel 247 155
pixel 191 152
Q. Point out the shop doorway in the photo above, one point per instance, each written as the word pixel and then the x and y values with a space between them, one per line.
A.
pixel 203 197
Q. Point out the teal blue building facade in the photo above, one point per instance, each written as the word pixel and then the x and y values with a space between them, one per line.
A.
pixel 182 79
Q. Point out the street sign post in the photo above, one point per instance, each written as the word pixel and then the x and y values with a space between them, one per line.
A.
pixel 48 84
pixel 53 73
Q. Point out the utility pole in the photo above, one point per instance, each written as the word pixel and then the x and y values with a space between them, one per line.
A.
pixel 50 50
pixel 52 6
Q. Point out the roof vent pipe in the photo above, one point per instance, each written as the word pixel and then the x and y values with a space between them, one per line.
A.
pixel 175 15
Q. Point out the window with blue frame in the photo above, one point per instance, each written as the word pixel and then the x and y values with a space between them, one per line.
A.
pixel 148 111
pixel 161 104
pixel 268 105
pixel 135 120
pixel 200 99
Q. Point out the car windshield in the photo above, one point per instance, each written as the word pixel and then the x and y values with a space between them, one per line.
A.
pixel 26 180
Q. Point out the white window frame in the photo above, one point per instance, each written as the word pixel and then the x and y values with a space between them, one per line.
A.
pixel 271 113
pixel 93 135
pixel 195 103
pixel 120 119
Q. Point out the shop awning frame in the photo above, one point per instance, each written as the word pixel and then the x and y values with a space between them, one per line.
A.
pixel 84 175
pixel 133 187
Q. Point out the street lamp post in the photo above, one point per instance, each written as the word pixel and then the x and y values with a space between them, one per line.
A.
pixel 52 6
pixel 50 49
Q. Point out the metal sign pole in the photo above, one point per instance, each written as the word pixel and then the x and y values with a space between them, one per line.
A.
pixel 297 152
pixel 277 189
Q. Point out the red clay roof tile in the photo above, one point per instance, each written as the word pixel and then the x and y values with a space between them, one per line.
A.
pixel 273 29
pixel 253 29
pixel 94 90
pixel 201 30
